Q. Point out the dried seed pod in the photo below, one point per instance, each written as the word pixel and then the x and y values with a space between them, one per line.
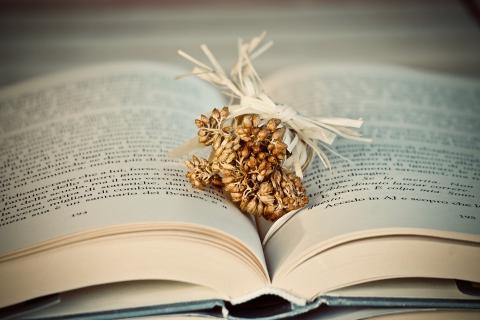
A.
pixel 272 124
pixel 228 179
pixel 224 112
pixel 278 134
pixel 216 180
pixel 231 187
pixel 251 207
pixel 216 114
pixel 262 134
pixel 247 121
pixel 236 196
pixel 217 142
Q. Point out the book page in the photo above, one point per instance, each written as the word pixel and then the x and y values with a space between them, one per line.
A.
pixel 420 175
pixel 88 149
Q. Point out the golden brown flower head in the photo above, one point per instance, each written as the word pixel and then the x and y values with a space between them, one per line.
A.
pixel 212 129
pixel 246 163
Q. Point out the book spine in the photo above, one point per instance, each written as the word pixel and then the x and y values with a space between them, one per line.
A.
pixel 270 291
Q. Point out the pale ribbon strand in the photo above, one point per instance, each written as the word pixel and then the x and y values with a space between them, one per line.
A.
pixel 245 87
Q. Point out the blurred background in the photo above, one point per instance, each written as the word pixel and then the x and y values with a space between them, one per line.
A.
pixel 38 37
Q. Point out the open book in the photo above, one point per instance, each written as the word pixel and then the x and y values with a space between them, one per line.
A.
pixel 96 219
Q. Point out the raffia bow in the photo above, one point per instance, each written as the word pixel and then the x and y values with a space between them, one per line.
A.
pixel 247 96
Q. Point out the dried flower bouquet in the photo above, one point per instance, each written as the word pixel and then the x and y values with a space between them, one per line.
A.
pixel 246 162
pixel 259 148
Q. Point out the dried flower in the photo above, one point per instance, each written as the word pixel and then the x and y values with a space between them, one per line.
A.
pixel 211 129
pixel 250 160
pixel 246 163
pixel 201 174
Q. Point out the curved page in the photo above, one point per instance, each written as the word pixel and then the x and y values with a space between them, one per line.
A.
pixel 420 175
pixel 87 149
pixel 163 255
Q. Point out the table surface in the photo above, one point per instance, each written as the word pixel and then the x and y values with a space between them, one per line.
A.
pixel 439 35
